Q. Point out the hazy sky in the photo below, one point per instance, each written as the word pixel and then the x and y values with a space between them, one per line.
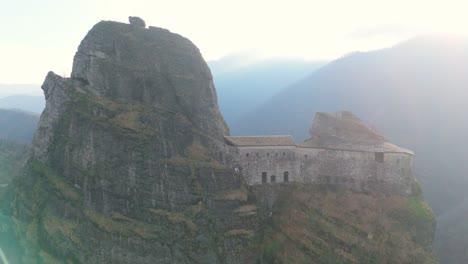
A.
pixel 38 36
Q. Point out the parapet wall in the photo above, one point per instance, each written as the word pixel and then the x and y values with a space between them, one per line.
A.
pixel 356 170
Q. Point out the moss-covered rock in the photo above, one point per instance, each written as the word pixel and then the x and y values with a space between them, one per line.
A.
pixel 127 166
pixel 310 224
pixel 127 162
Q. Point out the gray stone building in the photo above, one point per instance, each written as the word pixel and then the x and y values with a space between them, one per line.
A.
pixel 341 151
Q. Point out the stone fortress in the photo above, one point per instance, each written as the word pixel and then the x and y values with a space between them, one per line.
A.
pixel 341 151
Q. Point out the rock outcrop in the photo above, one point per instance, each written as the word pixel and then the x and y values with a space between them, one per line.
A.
pixel 128 166
pixel 127 162
pixel 136 21
pixel 344 130
pixel 150 67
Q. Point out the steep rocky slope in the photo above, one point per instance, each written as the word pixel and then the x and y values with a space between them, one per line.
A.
pixel 328 224
pixel 126 162
pixel 127 166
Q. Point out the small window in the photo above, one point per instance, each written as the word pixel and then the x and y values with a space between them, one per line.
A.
pixel 286 176
pixel 257 154
pixel 276 154
pixel 273 178
pixel 247 155
pixel 284 153
pixel 379 156
pixel 264 177
pixel 305 156
pixel 268 154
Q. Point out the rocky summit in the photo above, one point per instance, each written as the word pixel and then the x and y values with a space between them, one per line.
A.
pixel 128 165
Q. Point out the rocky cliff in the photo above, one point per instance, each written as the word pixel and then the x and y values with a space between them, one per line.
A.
pixel 127 166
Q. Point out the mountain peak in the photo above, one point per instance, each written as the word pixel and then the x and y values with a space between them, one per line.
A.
pixel 136 21
pixel 148 66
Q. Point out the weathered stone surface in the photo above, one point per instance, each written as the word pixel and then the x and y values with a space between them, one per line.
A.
pixel 136 21
pixel 126 164
pixel 344 130
pixel 151 67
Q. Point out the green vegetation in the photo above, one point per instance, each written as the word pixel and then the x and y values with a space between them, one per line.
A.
pixel 177 218
pixel 419 211
pixel 417 217
pixel 64 188
pixel 12 155
pixel 8 241
pixel 240 232
pixel 128 227
pixel 314 226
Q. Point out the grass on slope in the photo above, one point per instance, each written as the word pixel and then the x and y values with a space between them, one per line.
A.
pixel 317 226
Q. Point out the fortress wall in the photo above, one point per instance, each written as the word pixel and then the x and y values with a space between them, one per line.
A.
pixel 357 170
pixel 272 160
pixel 399 172
pixel 338 166
pixel 352 169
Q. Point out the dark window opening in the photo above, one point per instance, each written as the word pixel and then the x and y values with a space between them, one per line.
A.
pixel 273 178
pixel 276 154
pixel 379 156
pixel 247 155
pixel 268 154
pixel 305 156
pixel 284 153
pixel 286 176
pixel 264 177
pixel 257 154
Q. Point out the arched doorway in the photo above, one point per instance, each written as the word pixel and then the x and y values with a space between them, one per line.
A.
pixel 264 177
pixel 273 178
pixel 286 176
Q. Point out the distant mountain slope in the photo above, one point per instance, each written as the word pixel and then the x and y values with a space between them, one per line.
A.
pixel 451 237
pixel 414 93
pixel 13 89
pixel 28 103
pixel 12 156
pixel 243 86
pixel 17 126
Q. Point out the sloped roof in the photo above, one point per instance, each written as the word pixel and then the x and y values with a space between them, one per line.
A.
pixel 260 141
pixel 343 130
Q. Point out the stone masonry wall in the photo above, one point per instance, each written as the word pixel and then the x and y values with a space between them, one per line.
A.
pixel 360 171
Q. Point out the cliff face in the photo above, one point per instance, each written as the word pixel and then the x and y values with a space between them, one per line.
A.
pixel 127 166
